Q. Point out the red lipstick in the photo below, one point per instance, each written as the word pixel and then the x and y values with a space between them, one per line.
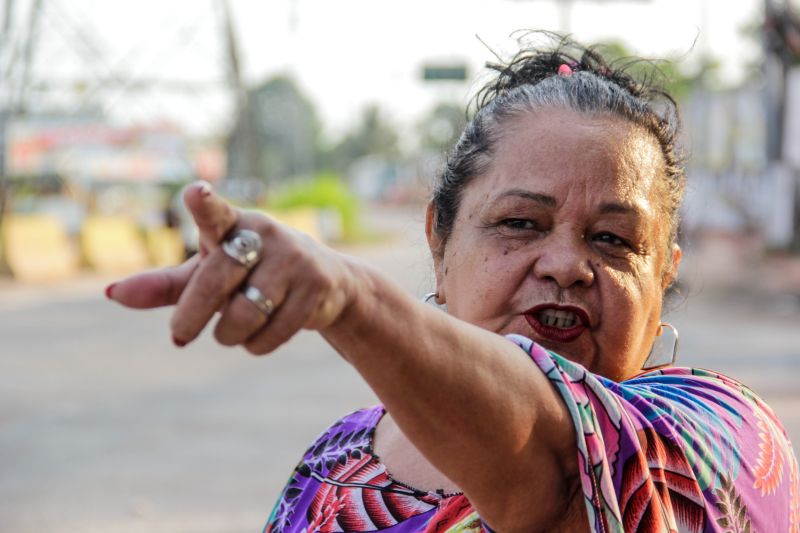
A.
pixel 554 333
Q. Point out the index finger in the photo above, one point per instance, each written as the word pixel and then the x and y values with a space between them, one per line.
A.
pixel 213 216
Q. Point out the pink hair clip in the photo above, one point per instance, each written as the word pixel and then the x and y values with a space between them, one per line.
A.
pixel 564 70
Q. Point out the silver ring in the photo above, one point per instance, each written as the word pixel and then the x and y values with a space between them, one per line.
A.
pixel 264 304
pixel 244 247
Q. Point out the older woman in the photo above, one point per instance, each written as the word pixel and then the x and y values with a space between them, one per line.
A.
pixel 527 406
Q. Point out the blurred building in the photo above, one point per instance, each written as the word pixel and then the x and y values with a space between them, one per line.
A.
pixel 81 191
pixel 743 143
pixel 87 149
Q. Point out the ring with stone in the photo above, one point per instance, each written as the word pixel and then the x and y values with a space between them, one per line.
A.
pixel 244 247
pixel 264 304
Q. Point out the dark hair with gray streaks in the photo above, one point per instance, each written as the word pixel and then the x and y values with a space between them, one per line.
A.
pixel 531 81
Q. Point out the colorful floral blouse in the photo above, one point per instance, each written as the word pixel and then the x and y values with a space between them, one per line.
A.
pixel 679 449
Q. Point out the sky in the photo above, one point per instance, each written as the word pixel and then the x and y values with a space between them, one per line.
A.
pixel 345 54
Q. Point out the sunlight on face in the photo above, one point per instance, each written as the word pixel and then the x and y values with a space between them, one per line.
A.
pixel 563 240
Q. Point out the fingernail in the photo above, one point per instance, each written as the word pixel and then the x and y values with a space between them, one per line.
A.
pixel 109 289
pixel 177 342
pixel 205 188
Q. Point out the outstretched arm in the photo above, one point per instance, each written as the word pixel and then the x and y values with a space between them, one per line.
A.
pixel 471 401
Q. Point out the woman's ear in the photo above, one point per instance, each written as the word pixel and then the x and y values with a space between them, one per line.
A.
pixel 672 273
pixel 436 246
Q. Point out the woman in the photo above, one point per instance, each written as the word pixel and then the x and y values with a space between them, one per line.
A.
pixel 528 405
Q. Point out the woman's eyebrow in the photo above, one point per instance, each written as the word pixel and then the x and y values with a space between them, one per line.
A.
pixel 549 201
pixel 623 209
pixel 543 199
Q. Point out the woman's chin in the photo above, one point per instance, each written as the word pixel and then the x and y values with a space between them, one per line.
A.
pixel 569 350
pixel 578 349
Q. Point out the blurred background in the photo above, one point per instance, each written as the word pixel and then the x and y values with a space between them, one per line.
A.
pixel 333 117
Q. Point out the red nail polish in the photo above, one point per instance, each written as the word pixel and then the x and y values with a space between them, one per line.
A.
pixel 109 289
pixel 177 342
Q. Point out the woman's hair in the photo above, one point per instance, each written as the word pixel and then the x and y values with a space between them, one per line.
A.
pixel 531 81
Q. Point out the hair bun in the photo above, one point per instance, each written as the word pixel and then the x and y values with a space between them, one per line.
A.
pixel 535 63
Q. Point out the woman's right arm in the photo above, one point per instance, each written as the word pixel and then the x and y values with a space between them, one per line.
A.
pixel 471 401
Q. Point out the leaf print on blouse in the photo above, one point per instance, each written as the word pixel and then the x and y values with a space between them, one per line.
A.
pixel 701 418
pixel 734 517
pixel 281 517
pixel 374 500
pixel 764 474
pixel 337 442
pixel 347 437
pixel 794 494
pixel 768 472
pixel 455 515
pixel 326 519
pixel 658 490
pixel 775 458
pixel 595 420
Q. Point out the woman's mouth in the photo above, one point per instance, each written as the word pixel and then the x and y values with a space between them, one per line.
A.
pixel 556 322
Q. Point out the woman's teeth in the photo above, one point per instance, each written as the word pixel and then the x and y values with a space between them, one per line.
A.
pixel 558 319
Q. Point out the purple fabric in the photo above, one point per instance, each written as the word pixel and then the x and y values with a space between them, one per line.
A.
pixel 678 449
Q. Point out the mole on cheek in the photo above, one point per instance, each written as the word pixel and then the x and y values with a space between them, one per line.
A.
pixel 505 252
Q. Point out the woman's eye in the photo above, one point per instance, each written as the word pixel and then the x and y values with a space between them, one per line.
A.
pixel 518 224
pixel 610 239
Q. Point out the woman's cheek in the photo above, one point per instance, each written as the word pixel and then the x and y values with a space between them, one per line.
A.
pixel 485 297
pixel 620 296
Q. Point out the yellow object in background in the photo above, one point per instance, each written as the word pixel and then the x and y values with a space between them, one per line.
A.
pixel 38 249
pixel 113 245
pixel 302 219
pixel 165 246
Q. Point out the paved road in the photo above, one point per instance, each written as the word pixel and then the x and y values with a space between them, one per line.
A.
pixel 105 426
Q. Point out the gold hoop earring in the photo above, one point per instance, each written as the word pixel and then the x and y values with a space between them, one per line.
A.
pixel 663 352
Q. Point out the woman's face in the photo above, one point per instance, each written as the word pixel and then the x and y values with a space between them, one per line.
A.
pixel 563 240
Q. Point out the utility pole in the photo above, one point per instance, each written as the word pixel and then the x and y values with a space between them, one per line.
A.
pixel 102 77
pixel 244 124
pixel 32 36
pixel 7 52
pixel 5 44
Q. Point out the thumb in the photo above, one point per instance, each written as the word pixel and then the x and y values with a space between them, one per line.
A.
pixel 155 288
pixel 213 216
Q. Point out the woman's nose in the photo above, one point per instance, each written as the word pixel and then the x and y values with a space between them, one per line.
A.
pixel 564 260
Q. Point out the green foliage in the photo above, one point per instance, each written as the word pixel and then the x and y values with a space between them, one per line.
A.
pixel 324 191
pixel 668 72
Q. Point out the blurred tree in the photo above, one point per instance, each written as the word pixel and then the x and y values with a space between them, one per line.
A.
pixel 275 136
pixel 675 78
pixel 782 31
pixel 440 129
pixel 372 135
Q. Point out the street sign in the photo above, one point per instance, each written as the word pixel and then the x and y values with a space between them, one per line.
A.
pixel 444 73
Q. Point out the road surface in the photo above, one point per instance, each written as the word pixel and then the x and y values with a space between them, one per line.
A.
pixel 106 427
